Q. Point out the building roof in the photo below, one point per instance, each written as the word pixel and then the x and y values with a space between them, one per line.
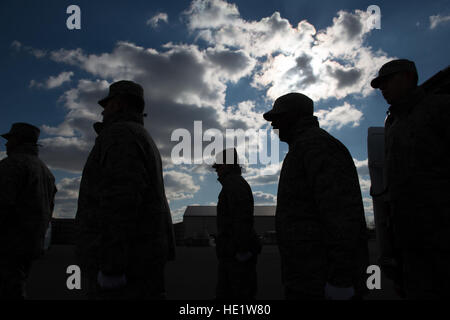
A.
pixel 210 211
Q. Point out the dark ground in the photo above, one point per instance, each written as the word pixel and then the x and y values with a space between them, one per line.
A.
pixel 191 277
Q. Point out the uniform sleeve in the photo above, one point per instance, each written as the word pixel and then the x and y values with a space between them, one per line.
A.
pixel 120 197
pixel 441 116
pixel 241 206
pixel 11 178
pixel 51 193
pixel 332 176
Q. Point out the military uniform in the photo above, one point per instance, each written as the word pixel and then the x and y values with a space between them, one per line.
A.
pixel 124 221
pixel 417 175
pixel 320 222
pixel 236 279
pixel 27 191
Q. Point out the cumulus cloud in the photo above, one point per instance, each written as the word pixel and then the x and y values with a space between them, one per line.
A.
pixel 204 14
pixel 262 198
pixel 368 205
pixel 192 83
pixel 179 185
pixel 368 209
pixel 362 166
pixel 38 53
pixel 177 214
pixel 333 62
pixel 186 82
pixel 53 81
pixel 340 116
pixel 264 175
pixel 68 144
pixel 67 154
pixel 364 183
pixel 157 18
pixel 181 80
pixel 244 115
pixel 437 20
pixel 66 198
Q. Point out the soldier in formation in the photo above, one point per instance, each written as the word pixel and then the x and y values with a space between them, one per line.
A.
pixel 27 193
pixel 125 232
pixel 123 218
pixel 320 223
pixel 237 244
pixel 417 180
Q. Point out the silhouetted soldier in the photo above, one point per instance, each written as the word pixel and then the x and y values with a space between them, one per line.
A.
pixel 125 226
pixel 237 244
pixel 27 192
pixel 320 223
pixel 417 179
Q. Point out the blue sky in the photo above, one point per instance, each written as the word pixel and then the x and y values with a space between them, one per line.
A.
pixel 220 62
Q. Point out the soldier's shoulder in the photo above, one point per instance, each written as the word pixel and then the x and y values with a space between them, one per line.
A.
pixel 437 100
pixel 45 168
pixel 5 162
pixel 15 164
pixel 314 139
pixel 235 182
pixel 17 160
pixel 119 134
pixel 437 105
pixel 122 130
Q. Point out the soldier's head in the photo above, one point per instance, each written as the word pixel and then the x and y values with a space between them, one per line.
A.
pixel 124 97
pixel 396 79
pixel 287 111
pixel 227 161
pixel 21 133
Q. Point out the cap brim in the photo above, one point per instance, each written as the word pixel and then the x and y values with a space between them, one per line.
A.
pixel 269 116
pixel 375 83
pixel 6 136
pixel 103 101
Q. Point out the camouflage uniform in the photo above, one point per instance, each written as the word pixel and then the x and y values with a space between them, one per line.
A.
pixel 417 175
pixel 123 216
pixel 320 223
pixel 236 279
pixel 27 190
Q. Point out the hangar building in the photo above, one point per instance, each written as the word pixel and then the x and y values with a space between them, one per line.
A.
pixel 200 221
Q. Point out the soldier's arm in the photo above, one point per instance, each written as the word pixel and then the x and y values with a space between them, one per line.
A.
pixel 441 116
pixel 338 198
pixel 52 200
pixel 241 207
pixel 120 197
pixel 11 178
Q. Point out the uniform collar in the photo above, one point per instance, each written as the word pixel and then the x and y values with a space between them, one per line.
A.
pixel 407 104
pixel 302 125
pixel 119 117
pixel 227 175
pixel 28 148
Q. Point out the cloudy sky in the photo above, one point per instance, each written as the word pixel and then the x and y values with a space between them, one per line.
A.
pixel 222 63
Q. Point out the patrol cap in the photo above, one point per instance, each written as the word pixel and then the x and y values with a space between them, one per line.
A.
pixel 123 87
pixel 25 131
pixel 227 156
pixel 392 67
pixel 295 103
